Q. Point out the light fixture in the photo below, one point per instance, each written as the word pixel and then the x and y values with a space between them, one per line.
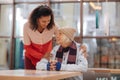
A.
pixel 95 7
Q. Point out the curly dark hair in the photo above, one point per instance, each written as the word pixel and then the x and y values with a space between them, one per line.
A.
pixel 42 10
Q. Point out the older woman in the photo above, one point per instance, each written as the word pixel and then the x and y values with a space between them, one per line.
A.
pixel 69 54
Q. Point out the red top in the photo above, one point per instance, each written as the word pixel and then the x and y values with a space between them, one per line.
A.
pixel 35 51
pixel 36 44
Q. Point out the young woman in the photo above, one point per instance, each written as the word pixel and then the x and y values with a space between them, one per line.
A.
pixel 38 33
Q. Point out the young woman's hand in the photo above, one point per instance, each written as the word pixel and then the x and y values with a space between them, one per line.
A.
pixel 47 56
pixel 83 49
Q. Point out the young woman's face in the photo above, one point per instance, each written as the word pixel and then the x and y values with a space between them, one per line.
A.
pixel 44 21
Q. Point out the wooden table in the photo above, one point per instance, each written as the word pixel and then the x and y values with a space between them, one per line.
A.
pixel 115 71
pixel 112 71
pixel 35 75
pixel 99 69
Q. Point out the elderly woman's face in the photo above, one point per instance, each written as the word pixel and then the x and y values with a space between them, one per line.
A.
pixel 62 39
pixel 58 37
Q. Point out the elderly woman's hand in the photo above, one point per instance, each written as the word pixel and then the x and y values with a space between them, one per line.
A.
pixel 53 65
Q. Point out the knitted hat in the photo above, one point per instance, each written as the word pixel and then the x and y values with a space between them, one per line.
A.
pixel 68 31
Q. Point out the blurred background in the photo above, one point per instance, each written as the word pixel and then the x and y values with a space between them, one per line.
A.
pixel 97 23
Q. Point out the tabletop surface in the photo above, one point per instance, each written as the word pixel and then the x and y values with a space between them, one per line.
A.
pixel 113 71
pixel 35 74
